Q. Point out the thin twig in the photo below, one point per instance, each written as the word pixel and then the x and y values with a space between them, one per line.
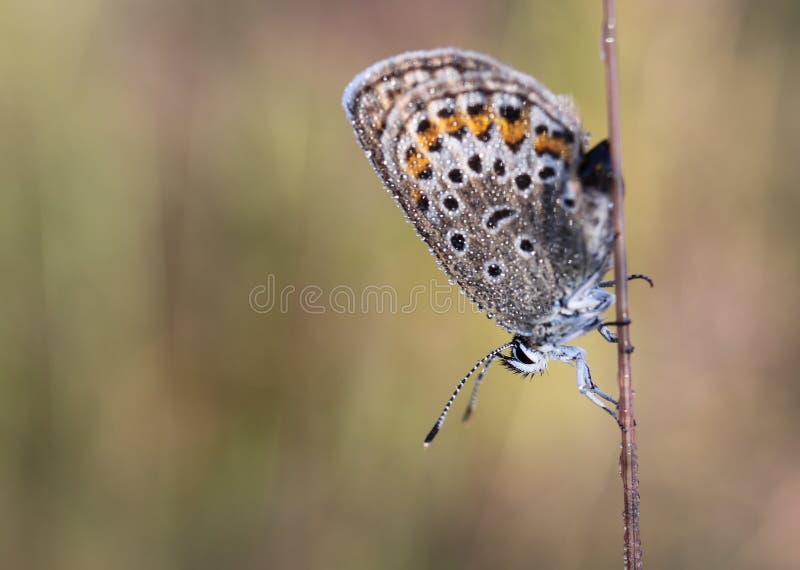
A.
pixel 629 466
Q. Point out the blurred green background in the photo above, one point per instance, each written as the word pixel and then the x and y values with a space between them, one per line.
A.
pixel 162 159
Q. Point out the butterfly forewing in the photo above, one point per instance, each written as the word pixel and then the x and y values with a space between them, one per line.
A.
pixel 480 158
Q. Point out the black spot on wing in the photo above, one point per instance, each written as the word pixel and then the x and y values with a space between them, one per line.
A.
pixel 499 167
pixel 495 218
pixel 523 181
pixel 474 163
pixel 455 175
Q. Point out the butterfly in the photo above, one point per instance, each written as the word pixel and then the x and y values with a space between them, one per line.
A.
pixel 492 170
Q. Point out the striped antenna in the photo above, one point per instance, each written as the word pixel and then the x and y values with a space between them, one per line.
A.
pixel 473 399
pixel 438 425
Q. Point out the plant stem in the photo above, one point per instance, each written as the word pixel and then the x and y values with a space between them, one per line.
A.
pixel 629 467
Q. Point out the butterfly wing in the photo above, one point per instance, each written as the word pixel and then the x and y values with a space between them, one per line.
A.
pixel 482 159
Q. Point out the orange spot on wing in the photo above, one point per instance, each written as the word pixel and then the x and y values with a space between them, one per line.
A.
pixel 429 138
pixel 512 133
pixel 452 124
pixel 479 123
pixel 416 162
pixel 553 146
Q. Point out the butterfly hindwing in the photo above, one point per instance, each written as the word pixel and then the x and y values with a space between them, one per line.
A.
pixel 482 160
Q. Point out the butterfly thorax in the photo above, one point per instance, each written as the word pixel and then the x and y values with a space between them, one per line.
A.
pixel 571 319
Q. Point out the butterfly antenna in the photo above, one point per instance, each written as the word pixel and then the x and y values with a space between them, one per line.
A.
pixel 438 425
pixel 473 399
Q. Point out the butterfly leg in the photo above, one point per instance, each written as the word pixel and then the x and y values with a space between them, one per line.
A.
pixel 611 336
pixel 641 276
pixel 607 333
pixel 584 300
pixel 576 356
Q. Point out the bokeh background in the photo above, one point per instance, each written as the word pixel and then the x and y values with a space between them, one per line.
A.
pixel 160 160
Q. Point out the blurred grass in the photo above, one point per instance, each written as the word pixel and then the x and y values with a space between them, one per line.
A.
pixel 159 160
